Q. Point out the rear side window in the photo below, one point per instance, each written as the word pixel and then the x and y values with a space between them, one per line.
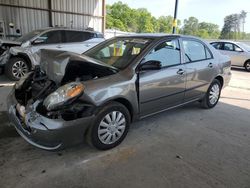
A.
pixel 51 37
pixel 228 47
pixel 77 36
pixel 195 51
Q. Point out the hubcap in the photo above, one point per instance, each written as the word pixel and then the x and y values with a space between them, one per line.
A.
pixel 214 94
pixel 112 127
pixel 19 69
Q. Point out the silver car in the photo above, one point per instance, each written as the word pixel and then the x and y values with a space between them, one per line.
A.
pixel 98 94
pixel 18 59
pixel 237 51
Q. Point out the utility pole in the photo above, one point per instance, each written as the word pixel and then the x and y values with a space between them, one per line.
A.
pixel 175 17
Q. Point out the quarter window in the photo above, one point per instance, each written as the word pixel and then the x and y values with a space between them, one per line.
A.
pixel 168 53
pixel 195 51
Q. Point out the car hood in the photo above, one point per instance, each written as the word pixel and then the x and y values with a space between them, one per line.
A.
pixel 54 63
pixel 9 43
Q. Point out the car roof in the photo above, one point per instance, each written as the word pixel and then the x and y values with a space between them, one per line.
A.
pixel 68 29
pixel 155 35
pixel 224 41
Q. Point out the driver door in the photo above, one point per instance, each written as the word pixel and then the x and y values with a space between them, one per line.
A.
pixel 164 88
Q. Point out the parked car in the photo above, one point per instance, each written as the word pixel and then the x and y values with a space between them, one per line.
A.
pixel 19 60
pixel 98 94
pixel 237 51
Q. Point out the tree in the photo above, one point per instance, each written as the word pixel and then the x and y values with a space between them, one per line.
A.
pixel 190 26
pixel 232 24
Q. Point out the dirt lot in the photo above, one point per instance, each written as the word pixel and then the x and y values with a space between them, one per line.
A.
pixel 185 147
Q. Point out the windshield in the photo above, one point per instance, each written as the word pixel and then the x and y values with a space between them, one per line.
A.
pixel 245 46
pixel 29 36
pixel 118 52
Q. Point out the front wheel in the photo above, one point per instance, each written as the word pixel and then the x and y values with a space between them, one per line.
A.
pixel 212 96
pixel 247 66
pixel 16 68
pixel 110 127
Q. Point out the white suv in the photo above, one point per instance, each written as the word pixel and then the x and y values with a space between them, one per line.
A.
pixel 19 60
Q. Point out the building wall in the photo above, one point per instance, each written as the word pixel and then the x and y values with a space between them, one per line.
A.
pixel 28 15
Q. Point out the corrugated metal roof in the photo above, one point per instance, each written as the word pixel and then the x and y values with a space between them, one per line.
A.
pixel 27 19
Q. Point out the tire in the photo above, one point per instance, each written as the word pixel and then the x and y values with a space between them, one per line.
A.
pixel 247 66
pixel 210 100
pixel 16 68
pixel 102 128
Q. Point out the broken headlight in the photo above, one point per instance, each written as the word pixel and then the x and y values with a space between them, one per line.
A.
pixel 63 95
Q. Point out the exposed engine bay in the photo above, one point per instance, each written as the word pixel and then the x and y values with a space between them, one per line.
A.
pixel 37 88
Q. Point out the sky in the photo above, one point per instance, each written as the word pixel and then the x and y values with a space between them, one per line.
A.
pixel 212 11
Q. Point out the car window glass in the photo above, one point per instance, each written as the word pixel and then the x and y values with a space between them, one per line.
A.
pixel 168 53
pixel 228 47
pixel 194 51
pixel 51 37
pixel 237 48
pixel 78 36
pixel 118 52
pixel 216 45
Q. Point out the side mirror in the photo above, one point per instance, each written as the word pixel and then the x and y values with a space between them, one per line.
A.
pixel 151 65
pixel 38 41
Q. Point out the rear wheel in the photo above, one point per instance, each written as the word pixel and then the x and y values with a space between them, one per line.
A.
pixel 110 127
pixel 16 68
pixel 247 66
pixel 212 96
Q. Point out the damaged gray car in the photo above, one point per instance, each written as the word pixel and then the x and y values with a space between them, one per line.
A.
pixel 95 96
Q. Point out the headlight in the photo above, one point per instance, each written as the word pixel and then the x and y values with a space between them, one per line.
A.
pixel 63 95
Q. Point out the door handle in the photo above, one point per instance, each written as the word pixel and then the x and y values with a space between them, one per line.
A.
pixel 180 72
pixel 210 65
pixel 59 46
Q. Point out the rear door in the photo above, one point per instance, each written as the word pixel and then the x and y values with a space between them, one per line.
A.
pixel 164 88
pixel 79 41
pixel 200 67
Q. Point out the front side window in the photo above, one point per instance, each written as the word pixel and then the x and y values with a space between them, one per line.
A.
pixel 194 51
pixel 51 37
pixel 168 53
pixel 216 45
pixel 118 52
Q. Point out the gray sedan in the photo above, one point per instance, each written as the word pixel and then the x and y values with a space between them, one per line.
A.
pixel 237 51
pixel 98 94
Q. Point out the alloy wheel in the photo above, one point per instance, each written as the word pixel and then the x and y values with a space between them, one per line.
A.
pixel 19 69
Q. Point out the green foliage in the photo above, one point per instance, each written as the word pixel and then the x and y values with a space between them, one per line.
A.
pixel 232 26
pixel 121 16
pixel 192 26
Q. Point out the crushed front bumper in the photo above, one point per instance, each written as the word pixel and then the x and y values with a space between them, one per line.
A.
pixel 45 133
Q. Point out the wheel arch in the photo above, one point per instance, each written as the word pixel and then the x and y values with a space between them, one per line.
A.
pixel 127 104
pixel 25 57
pixel 220 79
pixel 248 60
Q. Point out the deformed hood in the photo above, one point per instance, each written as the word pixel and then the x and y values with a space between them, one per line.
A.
pixel 54 62
pixel 9 43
